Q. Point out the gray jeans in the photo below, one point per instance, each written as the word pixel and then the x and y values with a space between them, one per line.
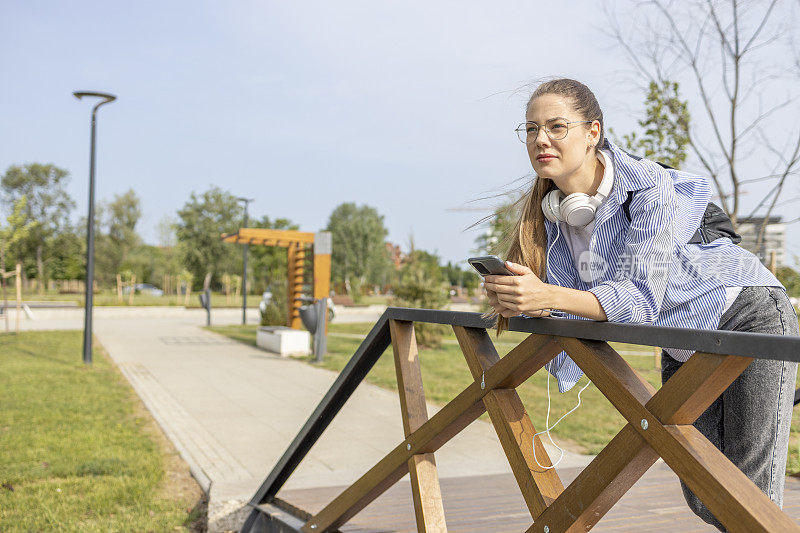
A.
pixel 750 422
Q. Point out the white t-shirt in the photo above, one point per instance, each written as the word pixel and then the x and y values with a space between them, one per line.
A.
pixel 578 239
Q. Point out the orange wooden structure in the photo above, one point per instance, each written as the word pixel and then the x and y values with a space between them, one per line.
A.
pixel 296 244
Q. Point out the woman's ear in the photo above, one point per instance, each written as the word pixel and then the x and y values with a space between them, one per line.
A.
pixel 593 135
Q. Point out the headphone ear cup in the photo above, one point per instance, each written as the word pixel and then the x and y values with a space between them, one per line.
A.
pixel 551 205
pixel 578 209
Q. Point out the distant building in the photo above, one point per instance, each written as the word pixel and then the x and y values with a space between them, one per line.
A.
pixel 774 239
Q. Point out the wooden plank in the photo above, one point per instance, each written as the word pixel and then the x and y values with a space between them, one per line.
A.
pixel 425 489
pixel 428 505
pixel 695 386
pixel 696 461
pixel 729 494
pixel 246 235
pixel 465 408
pixel 539 486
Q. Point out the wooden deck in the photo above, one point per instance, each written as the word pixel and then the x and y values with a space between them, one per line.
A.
pixel 494 504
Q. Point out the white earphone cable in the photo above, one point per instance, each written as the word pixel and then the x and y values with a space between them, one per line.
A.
pixel 548 427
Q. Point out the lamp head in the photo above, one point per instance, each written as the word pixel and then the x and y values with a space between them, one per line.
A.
pixel 106 96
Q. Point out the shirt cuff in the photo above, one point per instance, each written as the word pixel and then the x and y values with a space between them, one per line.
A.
pixel 616 302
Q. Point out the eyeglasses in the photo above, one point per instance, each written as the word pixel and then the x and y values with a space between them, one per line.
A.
pixel 555 128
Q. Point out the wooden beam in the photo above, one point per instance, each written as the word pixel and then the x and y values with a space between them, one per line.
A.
pixel 425 488
pixel 261 234
pixel 539 486
pixel 600 484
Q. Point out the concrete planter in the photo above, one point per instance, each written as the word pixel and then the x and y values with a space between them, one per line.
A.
pixel 283 341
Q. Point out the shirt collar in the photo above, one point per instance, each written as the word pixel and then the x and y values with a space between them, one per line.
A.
pixel 629 174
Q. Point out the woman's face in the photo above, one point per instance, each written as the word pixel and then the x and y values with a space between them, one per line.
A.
pixel 555 159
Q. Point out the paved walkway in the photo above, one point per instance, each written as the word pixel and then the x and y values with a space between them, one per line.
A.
pixel 232 410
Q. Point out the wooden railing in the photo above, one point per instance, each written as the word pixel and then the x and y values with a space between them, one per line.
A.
pixel 659 423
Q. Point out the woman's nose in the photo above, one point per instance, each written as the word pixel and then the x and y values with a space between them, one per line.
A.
pixel 541 138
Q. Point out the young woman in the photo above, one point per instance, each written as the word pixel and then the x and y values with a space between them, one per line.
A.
pixel 604 236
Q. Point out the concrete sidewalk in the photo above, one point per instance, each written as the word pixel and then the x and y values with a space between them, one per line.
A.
pixel 232 410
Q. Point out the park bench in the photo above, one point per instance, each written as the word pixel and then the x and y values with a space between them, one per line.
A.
pixel 659 423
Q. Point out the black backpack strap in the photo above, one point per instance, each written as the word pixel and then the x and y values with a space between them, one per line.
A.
pixel 626 206
pixel 714 225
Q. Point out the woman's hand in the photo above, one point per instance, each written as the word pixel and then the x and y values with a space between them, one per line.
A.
pixel 523 293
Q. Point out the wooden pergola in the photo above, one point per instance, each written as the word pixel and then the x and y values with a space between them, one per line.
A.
pixel 296 244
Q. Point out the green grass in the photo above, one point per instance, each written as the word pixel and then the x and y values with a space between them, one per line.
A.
pixel 445 374
pixel 79 452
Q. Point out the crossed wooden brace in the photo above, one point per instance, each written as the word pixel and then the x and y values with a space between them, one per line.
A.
pixel 659 424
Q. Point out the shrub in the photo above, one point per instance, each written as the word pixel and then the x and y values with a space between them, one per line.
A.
pixel 421 285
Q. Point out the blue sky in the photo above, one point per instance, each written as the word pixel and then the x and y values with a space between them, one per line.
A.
pixel 408 107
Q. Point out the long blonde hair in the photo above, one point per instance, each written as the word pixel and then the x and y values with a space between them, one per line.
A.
pixel 526 244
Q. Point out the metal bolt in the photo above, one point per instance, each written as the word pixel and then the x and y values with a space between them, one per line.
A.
pixel 645 425
pixel 313 526
pixel 546 529
pixel 408 447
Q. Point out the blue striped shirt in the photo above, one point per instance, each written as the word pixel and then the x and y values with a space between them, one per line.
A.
pixel 644 270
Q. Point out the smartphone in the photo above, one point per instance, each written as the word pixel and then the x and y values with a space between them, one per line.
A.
pixel 489 264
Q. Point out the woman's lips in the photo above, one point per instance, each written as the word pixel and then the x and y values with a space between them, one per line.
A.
pixel 545 158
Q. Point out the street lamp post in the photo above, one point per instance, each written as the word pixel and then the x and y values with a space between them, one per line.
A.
pixel 87 321
pixel 244 262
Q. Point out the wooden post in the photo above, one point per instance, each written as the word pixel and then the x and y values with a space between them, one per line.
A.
pixel 19 293
pixel 119 288
pixel 425 488
pixel 772 262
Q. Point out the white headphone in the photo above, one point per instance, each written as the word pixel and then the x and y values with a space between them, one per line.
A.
pixel 578 208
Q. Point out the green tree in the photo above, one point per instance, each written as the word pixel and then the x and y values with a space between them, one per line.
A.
pixel 665 126
pixel 47 203
pixel 68 258
pixel 790 279
pixel 422 285
pixel 15 230
pixel 119 238
pixel 359 250
pixel 201 223
pixel 457 277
